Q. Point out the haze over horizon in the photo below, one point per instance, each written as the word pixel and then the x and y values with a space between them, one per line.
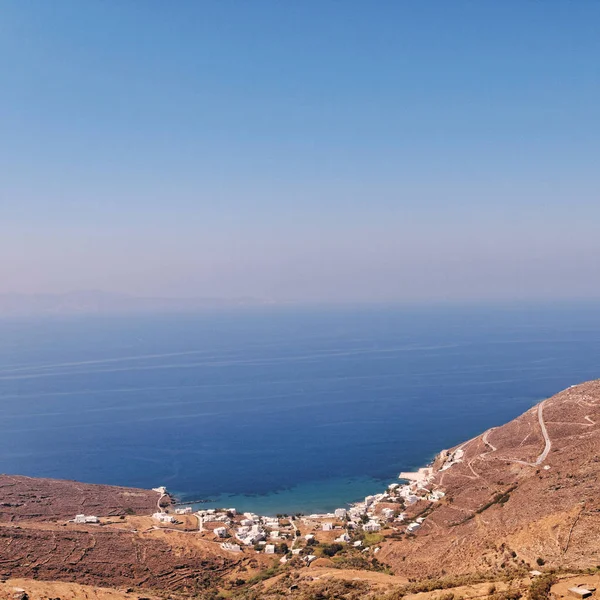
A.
pixel 301 152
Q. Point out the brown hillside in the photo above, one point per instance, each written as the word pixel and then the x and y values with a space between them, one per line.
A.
pixel 28 498
pixel 516 497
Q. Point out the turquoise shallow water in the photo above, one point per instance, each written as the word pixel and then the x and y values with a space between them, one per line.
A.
pixel 276 411
pixel 308 497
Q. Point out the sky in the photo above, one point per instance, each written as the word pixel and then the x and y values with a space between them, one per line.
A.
pixel 313 151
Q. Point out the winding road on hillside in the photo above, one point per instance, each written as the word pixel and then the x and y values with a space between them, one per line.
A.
pixel 487 443
pixel 542 457
pixel 158 503
pixel 548 443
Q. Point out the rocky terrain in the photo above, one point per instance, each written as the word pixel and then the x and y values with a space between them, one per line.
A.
pixel 27 498
pixel 518 497
pixel 522 494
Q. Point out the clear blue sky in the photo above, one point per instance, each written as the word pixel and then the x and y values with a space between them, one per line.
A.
pixel 301 150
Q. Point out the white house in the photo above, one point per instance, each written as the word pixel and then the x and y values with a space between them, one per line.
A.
pixel 270 549
pixel 81 519
pixel 250 535
pixel 372 526
pixel 254 537
pixel 246 522
pixel 387 513
pixel 327 526
pixel 412 527
pixel 220 532
pixel 309 536
pixel 163 517
pixel 436 495
pixel 343 538
pixel 340 513
pixel 356 511
pixel 184 511
pixel 231 547
pixel 252 516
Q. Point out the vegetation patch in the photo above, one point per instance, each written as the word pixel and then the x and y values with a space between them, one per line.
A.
pixel 540 587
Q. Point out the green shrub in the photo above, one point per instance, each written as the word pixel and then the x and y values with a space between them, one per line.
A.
pixel 540 587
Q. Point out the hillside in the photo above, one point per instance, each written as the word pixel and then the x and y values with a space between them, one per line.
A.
pixel 521 496
pixel 526 490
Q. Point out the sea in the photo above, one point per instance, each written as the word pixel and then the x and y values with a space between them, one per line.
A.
pixel 276 409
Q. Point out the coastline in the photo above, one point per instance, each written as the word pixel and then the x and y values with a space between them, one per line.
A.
pixel 307 497
pixel 314 498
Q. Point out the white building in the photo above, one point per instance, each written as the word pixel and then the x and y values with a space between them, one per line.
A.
pixel 309 536
pixel 340 513
pixel 162 517
pixel 220 532
pixel 372 526
pixel 250 535
pixel 357 511
pixel 387 513
pixel 252 516
pixel 184 511
pixel 82 519
pixel 327 526
pixel 160 490
pixel 231 547
pixel 343 538
pixel 269 549
pixel 246 522
pixel 210 518
pixel 436 495
pixel 412 527
pixel 274 535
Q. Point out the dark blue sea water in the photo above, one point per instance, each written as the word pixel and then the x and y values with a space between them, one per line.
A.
pixel 278 410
